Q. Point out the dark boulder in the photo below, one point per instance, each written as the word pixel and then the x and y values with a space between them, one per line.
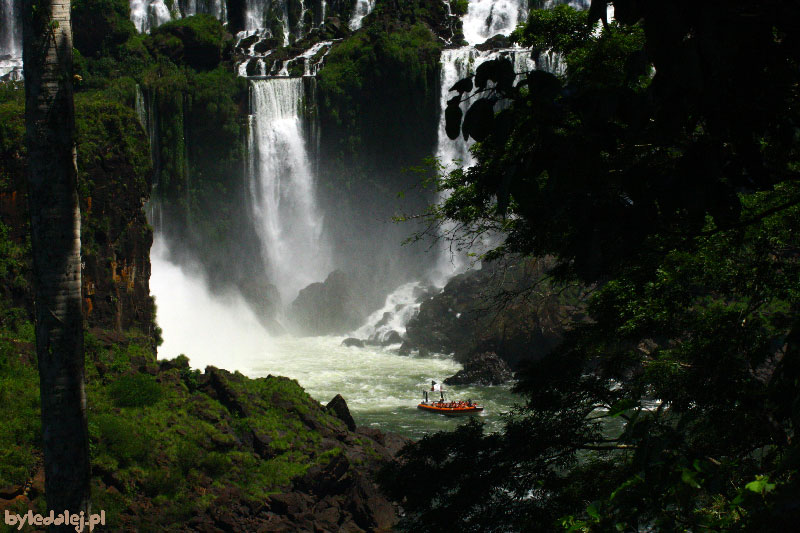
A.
pixel 405 348
pixel 494 43
pixel 338 407
pixel 245 44
pixel 511 309
pixel 329 307
pixel 352 341
pixel 220 388
pixel 392 337
pixel 482 369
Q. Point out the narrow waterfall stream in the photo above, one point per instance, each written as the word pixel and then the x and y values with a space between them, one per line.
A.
pixel 10 39
pixel 149 14
pixel 361 10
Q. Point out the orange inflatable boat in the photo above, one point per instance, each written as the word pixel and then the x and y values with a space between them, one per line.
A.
pixel 445 407
pixel 459 408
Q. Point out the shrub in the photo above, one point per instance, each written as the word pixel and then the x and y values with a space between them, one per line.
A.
pixel 123 440
pixel 136 390
pixel 215 464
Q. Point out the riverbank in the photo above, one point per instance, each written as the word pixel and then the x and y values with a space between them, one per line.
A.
pixel 176 448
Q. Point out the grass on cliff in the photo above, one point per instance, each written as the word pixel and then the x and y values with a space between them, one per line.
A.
pixel 159 438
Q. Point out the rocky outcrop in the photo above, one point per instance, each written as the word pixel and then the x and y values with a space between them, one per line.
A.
pixel 338 406
pixel 494 43
pixel 352 341
pixel 326 308
pixel 509 309
pixel 482 369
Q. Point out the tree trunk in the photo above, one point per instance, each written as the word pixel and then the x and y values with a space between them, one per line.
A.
pixel 55 240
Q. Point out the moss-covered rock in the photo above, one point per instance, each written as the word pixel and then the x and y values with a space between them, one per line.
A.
pixel 100 26
pixel 113 183
pixel 199 41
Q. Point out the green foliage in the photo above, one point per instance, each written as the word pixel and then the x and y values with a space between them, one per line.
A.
pixel 12 124
pixel 137 390
pixel 121 439
pixel 199 42
pixel 561 30
pixel 101 26
pixel 377 97
pixel 459 7
pixel 674 406
pixel 14 262
pixel 19 395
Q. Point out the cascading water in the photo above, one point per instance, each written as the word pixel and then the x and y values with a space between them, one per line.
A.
pixel 401 305
pixel 487 18
pixel 10 39
pixel 149 14
pixel 282 187
pixel 256 12
pixel 484 19
pixel 361 10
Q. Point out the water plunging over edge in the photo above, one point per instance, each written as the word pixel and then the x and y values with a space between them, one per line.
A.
pixel 282 187
pixel 10 39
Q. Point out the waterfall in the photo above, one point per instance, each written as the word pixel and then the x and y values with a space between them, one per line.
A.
pixel 400 307
pixel 10 39
pixel 487 18
pixel 256 12
pixel 282 184
pixel 484 19
pixel 149 14
pixel 361 10
pixel 456 64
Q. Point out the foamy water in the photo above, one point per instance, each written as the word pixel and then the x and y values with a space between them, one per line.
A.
pixel 381 387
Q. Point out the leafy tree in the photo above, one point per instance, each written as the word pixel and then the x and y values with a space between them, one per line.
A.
pixel 662 165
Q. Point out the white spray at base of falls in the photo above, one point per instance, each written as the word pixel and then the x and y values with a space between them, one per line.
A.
pixel 212 329
pixel 10 38
pixel 282 187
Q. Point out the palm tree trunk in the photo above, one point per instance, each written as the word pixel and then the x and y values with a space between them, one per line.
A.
pixel 55 240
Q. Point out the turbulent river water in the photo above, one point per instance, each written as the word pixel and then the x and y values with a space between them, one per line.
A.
pixel 381 387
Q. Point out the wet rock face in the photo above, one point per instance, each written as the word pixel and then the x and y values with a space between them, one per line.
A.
pixel 327 308
pixel 494 43
pixel 510 310
pixel 113 183
pixel 482 369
